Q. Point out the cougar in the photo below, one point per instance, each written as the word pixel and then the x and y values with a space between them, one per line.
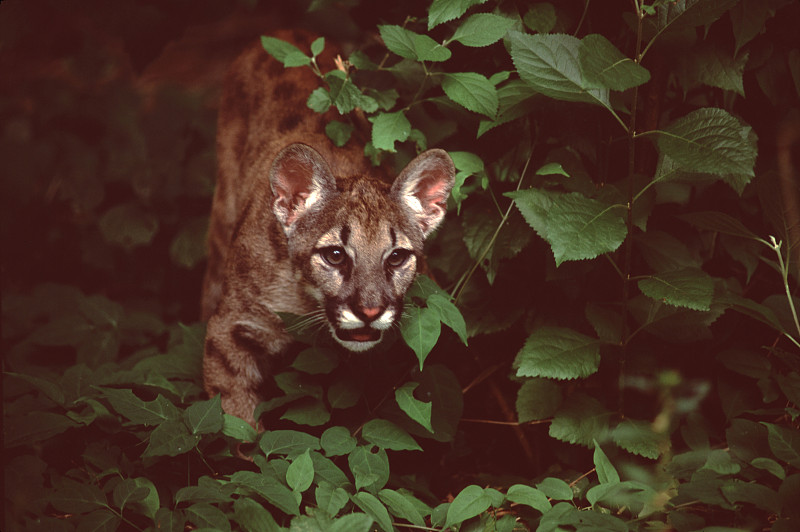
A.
pixel 301 226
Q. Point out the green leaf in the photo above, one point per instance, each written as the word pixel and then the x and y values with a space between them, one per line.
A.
pixel 537 399
pixel 253 517
pixel 720 223
pixel 716 67
pixel 140 412
pixel 388 128
pixel 286 53
pixel 204 515
pixel 555 488
pixel 440 385
pixel 188 248
pixel 149 504
pixel 316 361
pixel 410 45
pixel 354 522
pixel 768 464
pixel 374 508
pixel 170 521
pixel 482 29
pixel 311 412
pixel 370 469
pixel 606 472
pixel 343 94
pixel 344 394
pixel 99 521
pixel 387 435
pixel 300 473
pixel 128 491
pixel 605 67
pixel 405 506
pixel 748 19
pixel 785 443
pixel 238 428
pixel 326 471
pixel 550 63
pixel 535 205
pixel 269 488
pixel 417 410
pixel 420 329
pixel 638 437
pixel 689 287
pixel 759 495
pixel 710 140
pixel 76 497
pixel 339 132
pixel 330 499
pixel 204 417
pixel 171 438
pixel 470 502
pixel 337 441
pixel 522 494
pixel 128 226
pixel 51 389
pixel 690 13
pixel 473 91
pixel 319 100
pixel 287 442
pixel 558 353
pixel 581 420
pixel 449 314
pixel 541 17
pixel 552 169
pixel 445 10
pixel 317 46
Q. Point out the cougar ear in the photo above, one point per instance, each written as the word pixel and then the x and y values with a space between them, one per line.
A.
pixel 424 185
pixel 299 177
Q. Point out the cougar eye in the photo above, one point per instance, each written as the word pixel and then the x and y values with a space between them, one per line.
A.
pixel 335 256
pixel 397 258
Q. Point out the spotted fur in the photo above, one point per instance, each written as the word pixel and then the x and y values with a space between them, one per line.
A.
pixel 303 227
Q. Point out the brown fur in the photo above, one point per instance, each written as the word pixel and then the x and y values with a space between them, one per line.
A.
pixel 302 228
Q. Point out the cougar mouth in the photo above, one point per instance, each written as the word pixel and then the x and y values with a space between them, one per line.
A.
pixel 362 334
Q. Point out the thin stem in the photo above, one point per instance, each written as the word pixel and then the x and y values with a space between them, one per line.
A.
pixel 459 288
pixel 776 246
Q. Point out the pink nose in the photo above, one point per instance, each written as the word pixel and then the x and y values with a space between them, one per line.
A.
pixel 371 312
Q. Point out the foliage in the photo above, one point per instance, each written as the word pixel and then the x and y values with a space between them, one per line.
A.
pixel 613 247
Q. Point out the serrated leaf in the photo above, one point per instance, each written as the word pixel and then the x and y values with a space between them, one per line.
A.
pixel 417 410
pixel 710 140
pixel 529 496
pixel 445 10
pixel 558 353
pixel 287 442
pixel 581 420
pixel 411 45
pixel 537 399
pixel 300 473
pixel 339 132
pixel 606 472
pixel 471 501
pixel 472 90
pixel 550 63
pixel 638 437
pixel 388 128
pixel 583 228
pixel 370 470
pixel 387 435
pixel 337 441
pixel 716 67
pixel 690 13
pixel 343 94
pixel 689 287
pixel 420 329
pixel 605 67
pixel 319 100
pixel 286 53
pixel 404 506
pixel 535 204
pixel 374 508
pixel 482 29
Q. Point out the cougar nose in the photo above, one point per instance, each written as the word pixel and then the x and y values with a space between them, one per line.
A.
pixel 371 312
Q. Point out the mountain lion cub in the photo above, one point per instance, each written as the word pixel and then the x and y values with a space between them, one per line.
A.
pixel 301 226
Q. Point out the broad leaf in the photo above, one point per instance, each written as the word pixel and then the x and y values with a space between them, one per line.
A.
pixel 550 63
pixel 785 443
pixel 287 442
pixel 558 353
pixel 581 420
pixel 405 506
pixel 445 10
pixel 204 515
pixel 410 45
pixel 473 91
pixel 387 435
pixel 537 399
pixel 300 473
pixel 374 508
pixel 337 441
pixel 204 417
pixel 286 53
pixel 138 411
pixel 471 501
pixel 269 488
pixel 420 330
pixel 388 128
pixel 529 496
pixel 417 410
pixel 370 470
pixel 449 314
pixel 638 437
pixel 604 67
pixel 171 438
pixel 253 517
pixel 482 29
pixel 690 288
pixel 710 140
